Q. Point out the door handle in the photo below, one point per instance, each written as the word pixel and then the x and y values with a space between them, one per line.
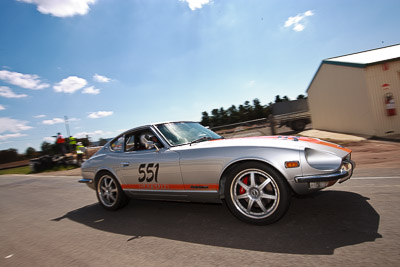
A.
pixel 124 164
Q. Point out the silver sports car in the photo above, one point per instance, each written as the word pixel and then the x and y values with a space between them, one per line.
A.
pixel 184 161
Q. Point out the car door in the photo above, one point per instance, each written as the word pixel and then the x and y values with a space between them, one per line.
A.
pixel 152 171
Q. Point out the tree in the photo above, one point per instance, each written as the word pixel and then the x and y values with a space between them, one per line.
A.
pixel 9 155
pixel 205 119
pixel 48 149
pixel 278 99
pixel 301 97
pixel 247 110
pixel 30 152
pixel 233 115
pixel 223 116
pixel 216 118
pixel 257 110
pixel 242 113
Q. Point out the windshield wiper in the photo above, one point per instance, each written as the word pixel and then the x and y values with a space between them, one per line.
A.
pixel 201 139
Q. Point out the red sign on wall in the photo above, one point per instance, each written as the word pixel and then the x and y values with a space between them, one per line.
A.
pixel 385 66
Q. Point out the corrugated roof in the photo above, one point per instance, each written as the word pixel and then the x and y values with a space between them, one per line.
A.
pixel 367 57
pixel 362 59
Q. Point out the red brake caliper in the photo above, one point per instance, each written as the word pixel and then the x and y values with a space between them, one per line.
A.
pixel 245 181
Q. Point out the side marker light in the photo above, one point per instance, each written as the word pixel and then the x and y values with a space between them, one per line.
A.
pixel 292 164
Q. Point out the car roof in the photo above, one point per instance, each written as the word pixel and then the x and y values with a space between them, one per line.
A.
pixel 153 124
pixel 165 122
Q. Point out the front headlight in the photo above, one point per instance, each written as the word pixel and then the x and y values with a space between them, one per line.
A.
pixel 322 160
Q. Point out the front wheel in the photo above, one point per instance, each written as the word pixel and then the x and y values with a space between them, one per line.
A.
pixel 110 193
pixel 256 193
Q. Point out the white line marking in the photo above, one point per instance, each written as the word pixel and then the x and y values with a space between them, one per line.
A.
pixel 372 178
pixel 9 256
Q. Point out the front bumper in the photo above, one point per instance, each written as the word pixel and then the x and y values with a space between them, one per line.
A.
pixel 345 172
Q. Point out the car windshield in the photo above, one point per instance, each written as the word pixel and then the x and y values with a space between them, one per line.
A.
pixel 180 133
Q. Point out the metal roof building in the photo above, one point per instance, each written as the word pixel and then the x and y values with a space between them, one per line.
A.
pixel 358 93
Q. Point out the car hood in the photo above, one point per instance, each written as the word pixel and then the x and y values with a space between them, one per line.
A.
pixel 285 142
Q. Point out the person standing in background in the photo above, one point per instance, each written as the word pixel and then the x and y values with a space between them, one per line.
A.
pixel 60 143
pixel 72 144
pixel 80 149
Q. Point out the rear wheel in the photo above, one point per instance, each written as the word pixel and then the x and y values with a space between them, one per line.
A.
pixel 256 193
pixel 109 192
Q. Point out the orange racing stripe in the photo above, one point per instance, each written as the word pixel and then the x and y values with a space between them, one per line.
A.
pixel 316 141
pixel 192 187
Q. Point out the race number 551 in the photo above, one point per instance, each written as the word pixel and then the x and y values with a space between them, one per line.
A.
pixel 148 172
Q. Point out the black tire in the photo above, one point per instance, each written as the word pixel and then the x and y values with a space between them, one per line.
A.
pixel 261 199
pixel 298 125
pixel 109 192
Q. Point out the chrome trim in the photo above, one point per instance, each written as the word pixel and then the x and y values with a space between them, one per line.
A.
pixel 321 177
pixel 86 181
pixel 344 174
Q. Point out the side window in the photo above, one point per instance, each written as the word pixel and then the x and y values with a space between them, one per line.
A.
pixel 118 144
pixel 136 141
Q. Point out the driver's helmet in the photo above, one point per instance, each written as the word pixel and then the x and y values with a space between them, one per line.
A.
pixel 144 138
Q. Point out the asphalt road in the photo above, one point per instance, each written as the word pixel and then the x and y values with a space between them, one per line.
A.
pixel 55 221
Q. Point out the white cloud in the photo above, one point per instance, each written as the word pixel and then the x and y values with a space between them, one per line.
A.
pixel 8 136
pixel 297 22
pixel 12 125
pixel 39 116
pixel 250 84
pixel 91 90
pixel 58 120
pixel 193 4
pixel 8 93
pixel 308 13
pixel 62 8
pixel 2 107
pixel 53 121
pixel 28 81
pixel 101 79
pixel 100 114
pixel 298 27
pixel 94 133
pixel 49 139
pixel 70 85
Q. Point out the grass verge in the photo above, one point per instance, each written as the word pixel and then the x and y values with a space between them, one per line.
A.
pixel 27 170
pixel 17 170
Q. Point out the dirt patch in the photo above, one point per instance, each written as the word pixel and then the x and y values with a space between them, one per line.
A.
pixel 14 164
pixel 73 172
pixel 376 154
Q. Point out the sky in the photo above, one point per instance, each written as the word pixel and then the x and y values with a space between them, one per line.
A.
pixel 110 65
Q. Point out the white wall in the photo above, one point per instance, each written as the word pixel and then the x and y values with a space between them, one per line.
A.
pixel 338 100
